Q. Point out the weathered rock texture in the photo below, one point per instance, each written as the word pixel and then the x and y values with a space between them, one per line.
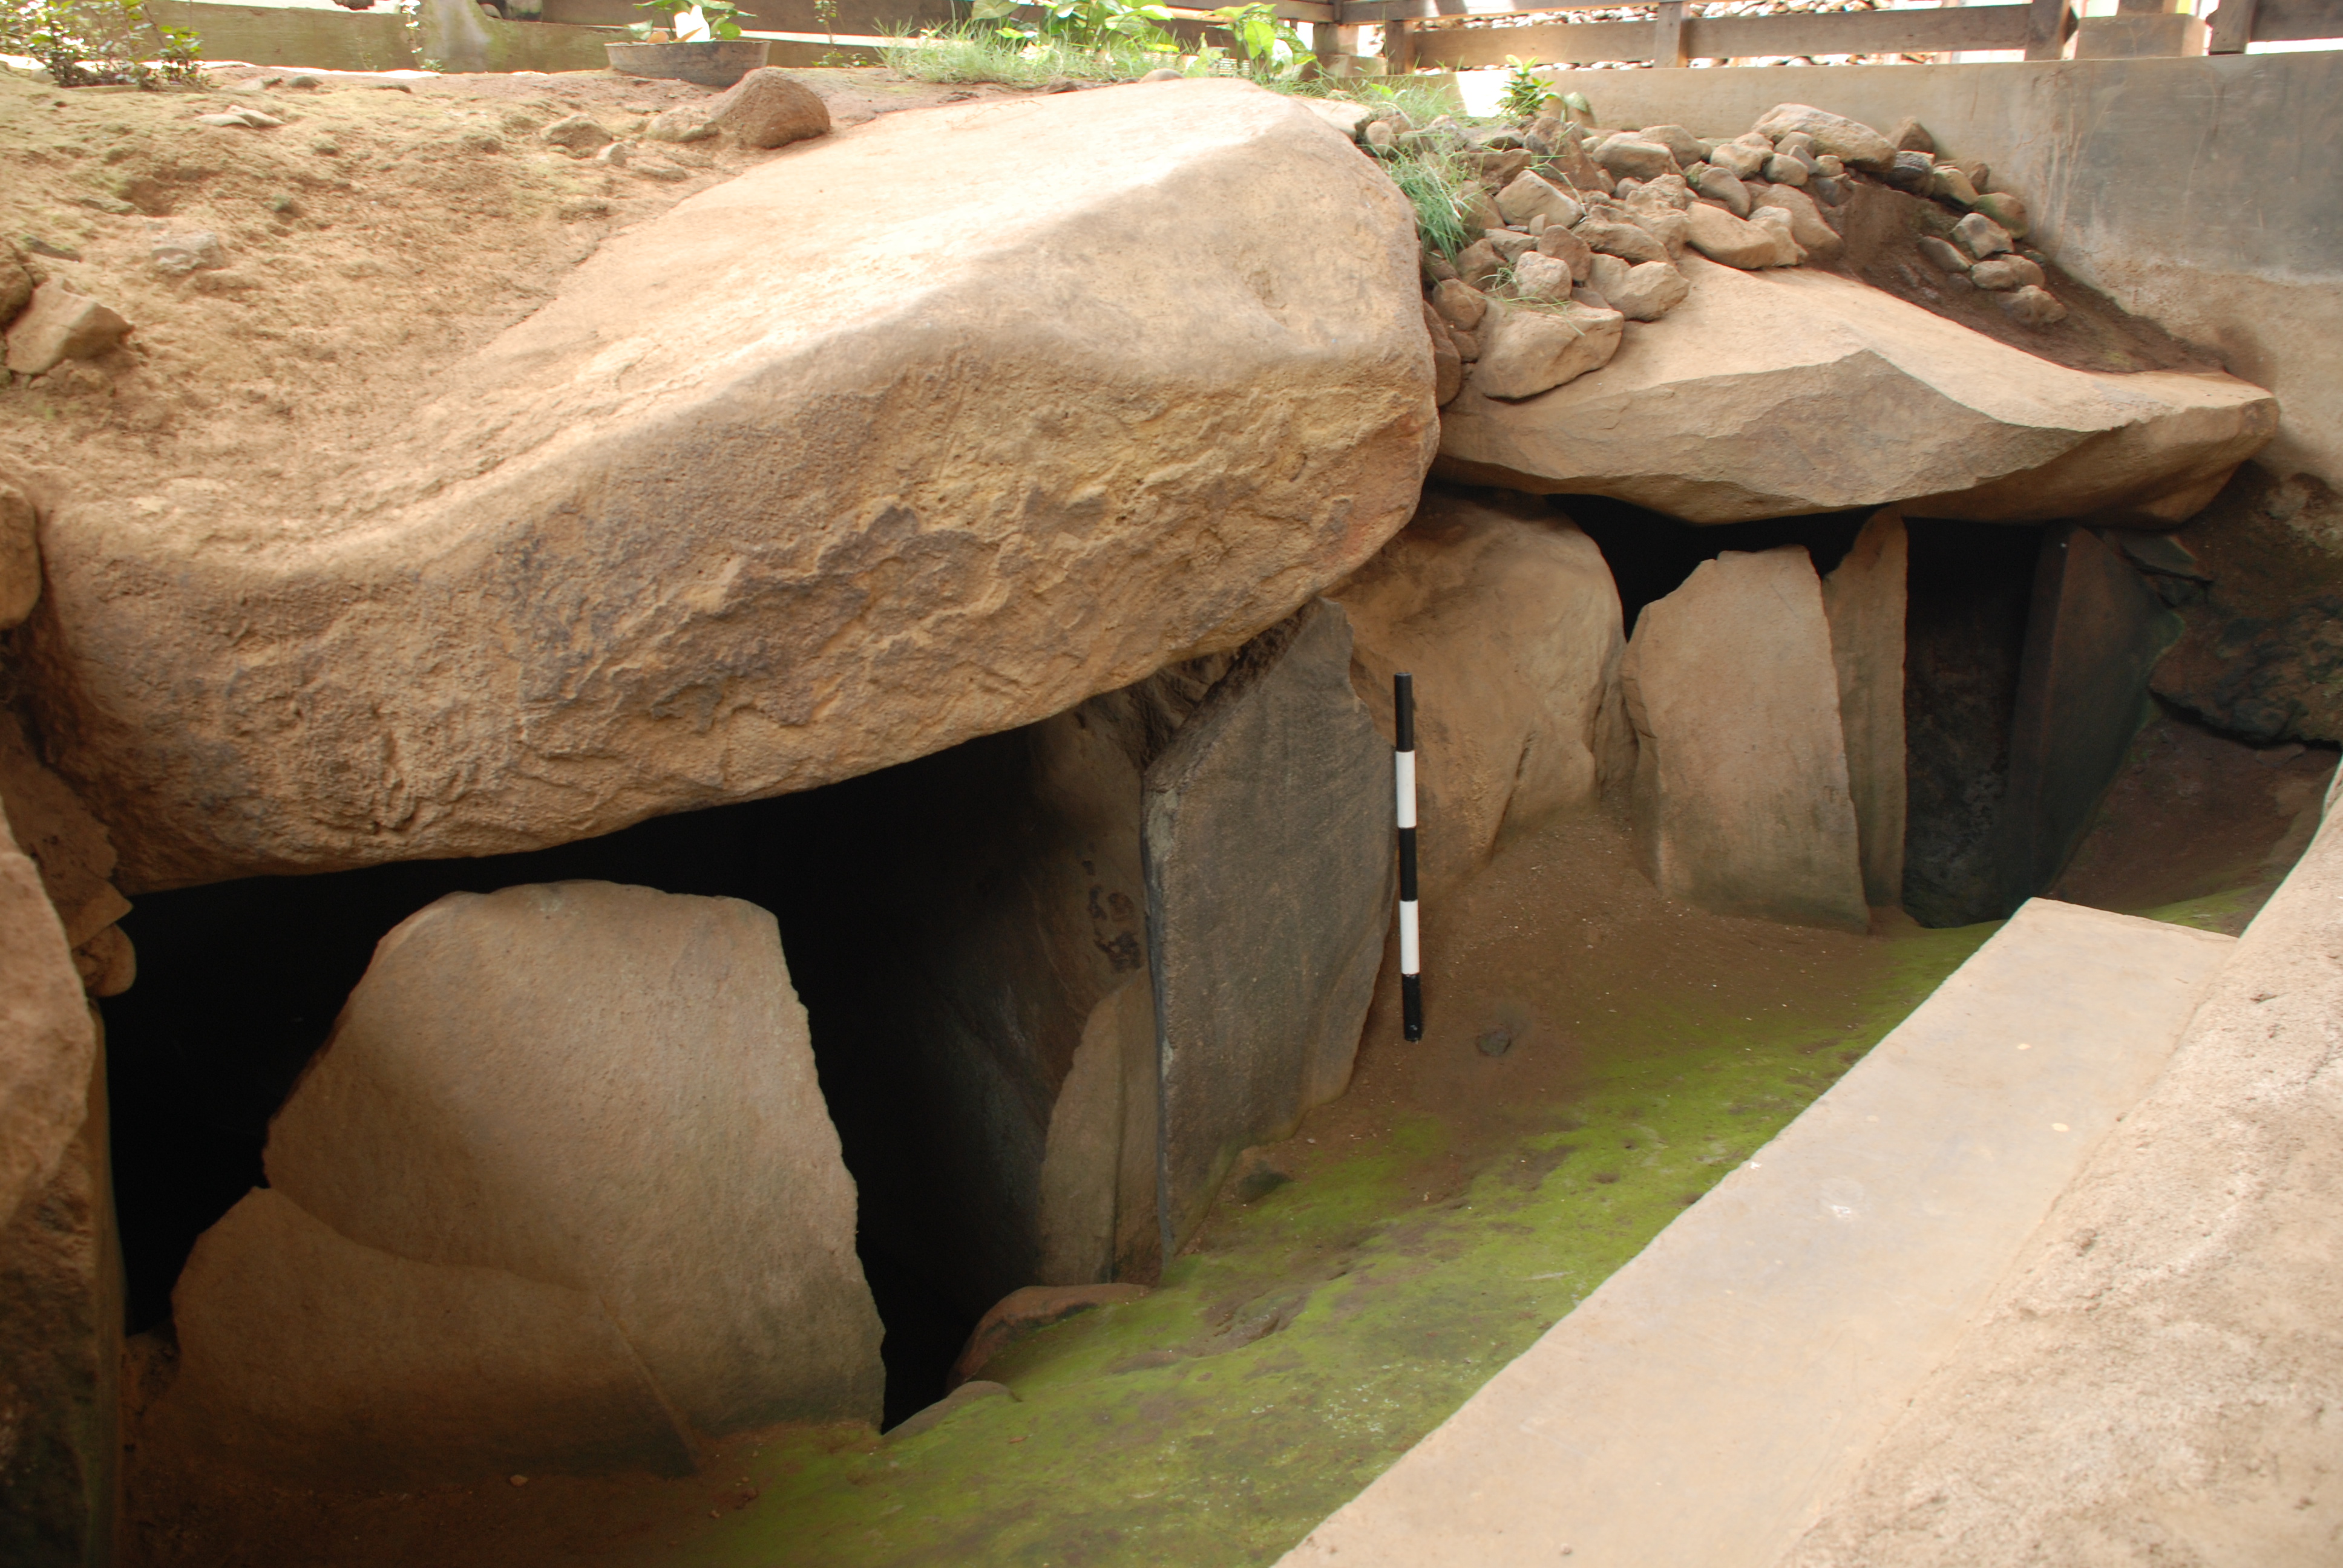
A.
pixel 1268 827
pixel 2262 654
pixel 2156 1380
pixel 1771 395
pixel 76 857
pixel 581 1119
pixel 1741 797
pixel 1507 617
pixel 61 1344
pixel 786 486
pixel 311 1358
pixel 46 1040
pixel 2093 635
pixel 1863 598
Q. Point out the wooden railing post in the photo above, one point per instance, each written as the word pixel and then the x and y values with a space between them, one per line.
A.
pixel 2048 27
pixel 2233 27
pixel 1399 47
pixel 1668 35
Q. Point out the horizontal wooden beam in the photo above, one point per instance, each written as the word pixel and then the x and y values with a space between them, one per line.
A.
pixel 2288 21
pixel 1915 32
pixel 1369 13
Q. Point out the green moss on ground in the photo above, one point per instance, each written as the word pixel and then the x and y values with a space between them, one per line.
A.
pixel 1318 1332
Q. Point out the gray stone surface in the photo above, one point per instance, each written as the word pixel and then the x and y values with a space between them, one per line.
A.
pixel 1268 827
pixel 1863 598
pixel 2092 637
pixel 1741 798
pixel 2155 1377
pixel 578 1088
pixel 60 1347
pixel 1698 1407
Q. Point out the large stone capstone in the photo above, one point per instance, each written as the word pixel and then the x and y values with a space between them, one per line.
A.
pixel 1269 834
pixel 1506 616
pixel 918 432
pixel 581 1121
pixel 1785 392
pixel 1741 803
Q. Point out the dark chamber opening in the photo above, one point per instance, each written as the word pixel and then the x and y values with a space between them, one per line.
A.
pixel 1651 553
pixel 239 984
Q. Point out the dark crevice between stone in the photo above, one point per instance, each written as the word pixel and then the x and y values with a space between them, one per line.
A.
pixel 1651 553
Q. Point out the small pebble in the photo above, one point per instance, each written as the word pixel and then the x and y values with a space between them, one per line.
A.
pixel 520 1481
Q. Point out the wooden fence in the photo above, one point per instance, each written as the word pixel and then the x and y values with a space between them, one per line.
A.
pixel 1417 35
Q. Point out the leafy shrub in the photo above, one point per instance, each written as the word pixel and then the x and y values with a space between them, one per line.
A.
pixel 99 43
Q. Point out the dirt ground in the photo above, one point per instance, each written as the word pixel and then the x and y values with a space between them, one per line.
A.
pixel 388 226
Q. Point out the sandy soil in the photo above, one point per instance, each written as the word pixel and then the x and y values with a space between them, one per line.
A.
pixel 387 227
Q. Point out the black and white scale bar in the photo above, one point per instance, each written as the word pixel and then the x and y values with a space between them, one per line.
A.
pixel 1411 958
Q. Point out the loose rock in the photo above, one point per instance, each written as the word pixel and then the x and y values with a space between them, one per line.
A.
pixel 580 134
pixel 769 108
pixel 1719 184
pixel 1459 303
pixel 1528 196
pixel 1627 241
pixel 1944 256
pixel 1447 364
pixel 16 283
pixel 1812 231
pixel 2006 272
pixel 59 325
pixel 1565 246
pixel 1981 237
pixel 177 255
pixel 1719 236
pixel 1538 276
pixel 2005 209
pixel 1534 351
pixel 1644 292
pixel 1627 156
pixel 1837 134
pixel 2033 307
pixel 1682 145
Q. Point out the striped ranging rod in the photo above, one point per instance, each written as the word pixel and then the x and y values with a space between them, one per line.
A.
pixel 1411 957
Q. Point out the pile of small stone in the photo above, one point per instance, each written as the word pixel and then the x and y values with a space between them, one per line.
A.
pixel 1576 231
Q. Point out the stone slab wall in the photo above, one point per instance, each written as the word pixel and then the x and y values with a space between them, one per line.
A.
pixel 2198 191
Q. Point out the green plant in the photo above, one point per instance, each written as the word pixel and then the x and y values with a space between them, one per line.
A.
pixel 99 43
pixel 1435 184
pixel 1269 45
pixel 1525 91
pixel 1086 24
pixel 976 52
pixel 691 21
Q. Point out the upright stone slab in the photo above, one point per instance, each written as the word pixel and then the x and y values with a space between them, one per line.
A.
pixel 1097 1175
pixel 47 1041
pixel 1864 600
pixel 1507 617
pixel 61 1344
pixel 2093 636
pixel 1267 830
pixel 1741 798
pixel 590 1089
